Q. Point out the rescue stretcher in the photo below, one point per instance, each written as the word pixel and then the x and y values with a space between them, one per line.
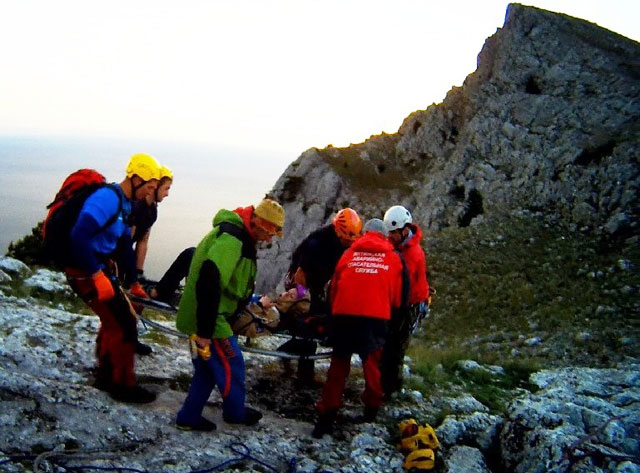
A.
pixel 254 322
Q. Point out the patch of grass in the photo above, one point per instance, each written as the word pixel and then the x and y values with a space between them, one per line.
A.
pixel 368 166
pixel 180 382
pixel 501 283
pixel 496 390
pixel 157 315
pixel 524 293
pixel 156 337
pixel 438 370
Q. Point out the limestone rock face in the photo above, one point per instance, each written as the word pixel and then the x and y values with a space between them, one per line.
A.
pixel 549 122
pixel 579 415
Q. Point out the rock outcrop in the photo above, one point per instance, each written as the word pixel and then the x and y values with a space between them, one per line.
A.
pixel 549 122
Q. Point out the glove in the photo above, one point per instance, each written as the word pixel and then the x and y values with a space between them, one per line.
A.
pixel 424 310
pixel 104 288
pixel 136 290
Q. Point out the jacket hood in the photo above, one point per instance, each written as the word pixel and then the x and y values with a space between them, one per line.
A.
pixel 229 216
pixel 416 238
pixel 372 241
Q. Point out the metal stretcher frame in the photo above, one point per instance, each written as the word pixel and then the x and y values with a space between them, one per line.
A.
pixel 171 310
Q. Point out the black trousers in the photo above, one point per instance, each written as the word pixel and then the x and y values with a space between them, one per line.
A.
pixel 394 351
pixel 178 270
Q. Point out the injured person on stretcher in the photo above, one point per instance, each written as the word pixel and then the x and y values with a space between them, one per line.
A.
pixel 287 314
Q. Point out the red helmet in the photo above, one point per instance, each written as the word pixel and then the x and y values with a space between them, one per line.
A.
pixel 347 224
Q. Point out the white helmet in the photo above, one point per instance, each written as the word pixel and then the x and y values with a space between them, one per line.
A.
pixel 396 217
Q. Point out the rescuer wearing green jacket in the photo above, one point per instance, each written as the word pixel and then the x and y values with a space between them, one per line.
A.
pixel 220 282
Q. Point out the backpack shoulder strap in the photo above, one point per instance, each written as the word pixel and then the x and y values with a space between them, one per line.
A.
pixel 115 216
pixel 405 280
pixel 248 247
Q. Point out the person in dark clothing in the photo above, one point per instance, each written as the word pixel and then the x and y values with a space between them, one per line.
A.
pixel 144 213
pixel 313 261
pixel 367 285
pixel 166 288
pixel 312 265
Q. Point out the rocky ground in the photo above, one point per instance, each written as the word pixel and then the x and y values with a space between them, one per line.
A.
pixel 576 420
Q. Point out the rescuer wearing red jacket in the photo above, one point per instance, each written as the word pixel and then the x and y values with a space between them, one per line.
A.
pixel 405 237
pixel 366 286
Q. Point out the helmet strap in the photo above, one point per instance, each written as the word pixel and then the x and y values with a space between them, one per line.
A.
pixel 135 188
pixel 408 236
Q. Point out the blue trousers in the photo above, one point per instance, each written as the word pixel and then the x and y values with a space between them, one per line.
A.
pixel 224 369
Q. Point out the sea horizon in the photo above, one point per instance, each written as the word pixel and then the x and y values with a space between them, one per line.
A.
pixel 206 179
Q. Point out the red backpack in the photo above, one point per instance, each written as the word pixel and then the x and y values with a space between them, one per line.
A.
pixel 64 211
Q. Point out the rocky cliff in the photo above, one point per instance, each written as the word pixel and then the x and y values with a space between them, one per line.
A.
pixel 549 122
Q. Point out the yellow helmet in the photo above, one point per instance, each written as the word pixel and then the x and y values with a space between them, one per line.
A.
pixel 165 172
pixel 144 166
pixel 420 460
pixel 271 211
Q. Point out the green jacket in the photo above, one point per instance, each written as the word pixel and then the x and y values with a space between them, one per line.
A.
pixel 233 252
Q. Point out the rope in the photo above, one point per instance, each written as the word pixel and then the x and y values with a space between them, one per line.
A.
pixel 573 451
pixel 241 450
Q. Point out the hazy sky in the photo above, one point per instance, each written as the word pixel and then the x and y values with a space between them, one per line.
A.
pixel 274 75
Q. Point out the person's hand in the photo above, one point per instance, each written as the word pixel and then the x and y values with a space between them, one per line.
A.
pixel 103 286
pixel 202 342
pixel 137 290
pixel 266 302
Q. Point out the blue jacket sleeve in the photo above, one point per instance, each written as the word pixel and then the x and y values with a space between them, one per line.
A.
pixel 81 234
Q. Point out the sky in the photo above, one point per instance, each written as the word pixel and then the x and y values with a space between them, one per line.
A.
pixel 275 75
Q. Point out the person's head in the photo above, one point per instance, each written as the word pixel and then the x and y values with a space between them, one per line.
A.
pixel 397 220
pixel 347 225
pixel 267 220
pixel 375 225
pixel 166 179
pixel 143 171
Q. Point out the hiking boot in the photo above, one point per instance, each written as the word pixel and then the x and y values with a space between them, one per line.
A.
pixel 306 377
pixel 369 415
pixel 134 395
pixel 143 349
pixel 251 417
pixel 324 425
pixel 102 385
pixel 203 425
